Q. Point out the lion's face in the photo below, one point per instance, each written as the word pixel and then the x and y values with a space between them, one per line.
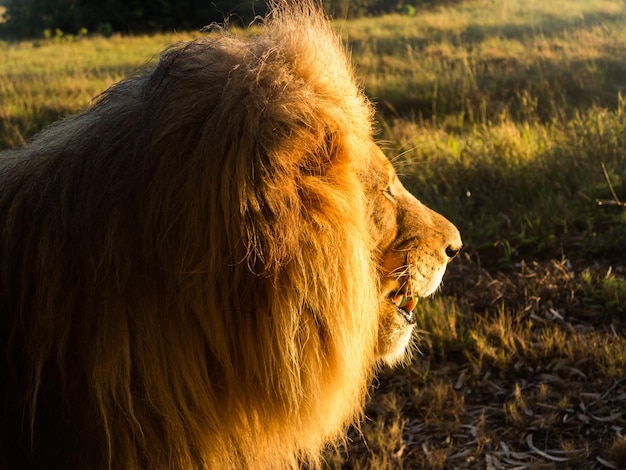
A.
pixel 415 245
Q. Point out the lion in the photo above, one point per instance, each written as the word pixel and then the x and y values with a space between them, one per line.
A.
pixel 206 268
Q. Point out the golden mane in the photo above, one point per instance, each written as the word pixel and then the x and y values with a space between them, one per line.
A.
pixel 186 274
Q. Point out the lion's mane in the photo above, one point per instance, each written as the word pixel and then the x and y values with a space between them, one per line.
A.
pixel 186 275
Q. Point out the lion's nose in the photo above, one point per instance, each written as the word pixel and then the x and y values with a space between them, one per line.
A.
pixel 452 251
pixel 454 243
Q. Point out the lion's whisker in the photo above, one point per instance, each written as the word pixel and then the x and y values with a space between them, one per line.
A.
pixel 401 271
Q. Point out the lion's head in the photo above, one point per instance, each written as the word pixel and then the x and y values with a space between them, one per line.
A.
pixel 205 268
pixel 414 245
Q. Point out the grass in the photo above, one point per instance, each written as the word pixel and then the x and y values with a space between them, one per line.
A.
pixel 547 178
pixel 488 57
pixel 509 118
pixel 41 81
pixel 522 370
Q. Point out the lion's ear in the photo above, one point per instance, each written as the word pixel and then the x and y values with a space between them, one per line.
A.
pixel 293 188
pixel 319 161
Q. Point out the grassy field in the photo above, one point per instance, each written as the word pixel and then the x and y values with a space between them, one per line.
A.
pixel 509 117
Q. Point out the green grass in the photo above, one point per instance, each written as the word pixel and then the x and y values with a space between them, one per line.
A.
pixel 507 116
pixel 478 61
pixel 41 81
pixel 528 186
pixel 518 99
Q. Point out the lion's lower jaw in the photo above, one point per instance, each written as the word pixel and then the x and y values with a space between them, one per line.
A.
pixel 397 354
pixel 394 346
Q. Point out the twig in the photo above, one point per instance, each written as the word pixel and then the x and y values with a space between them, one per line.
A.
pixel 607 464
pixel 545 455
pixel 606 202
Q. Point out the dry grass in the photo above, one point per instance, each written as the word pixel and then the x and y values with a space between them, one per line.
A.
pixel 522 369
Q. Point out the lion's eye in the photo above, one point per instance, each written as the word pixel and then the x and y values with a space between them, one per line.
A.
pixel 389 194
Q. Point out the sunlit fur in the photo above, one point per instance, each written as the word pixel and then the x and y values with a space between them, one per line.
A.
pixel 196 272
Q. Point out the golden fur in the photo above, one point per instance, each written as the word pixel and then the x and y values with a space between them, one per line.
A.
pixel 196 272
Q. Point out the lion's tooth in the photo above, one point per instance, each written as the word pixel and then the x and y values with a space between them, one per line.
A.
pixel 410 305
pixel 405 302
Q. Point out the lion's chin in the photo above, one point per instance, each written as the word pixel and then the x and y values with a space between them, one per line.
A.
pixel 396 329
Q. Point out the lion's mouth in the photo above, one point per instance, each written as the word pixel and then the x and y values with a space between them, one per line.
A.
pixel 404 304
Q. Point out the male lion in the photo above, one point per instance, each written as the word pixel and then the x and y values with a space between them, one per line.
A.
pixel 205 268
